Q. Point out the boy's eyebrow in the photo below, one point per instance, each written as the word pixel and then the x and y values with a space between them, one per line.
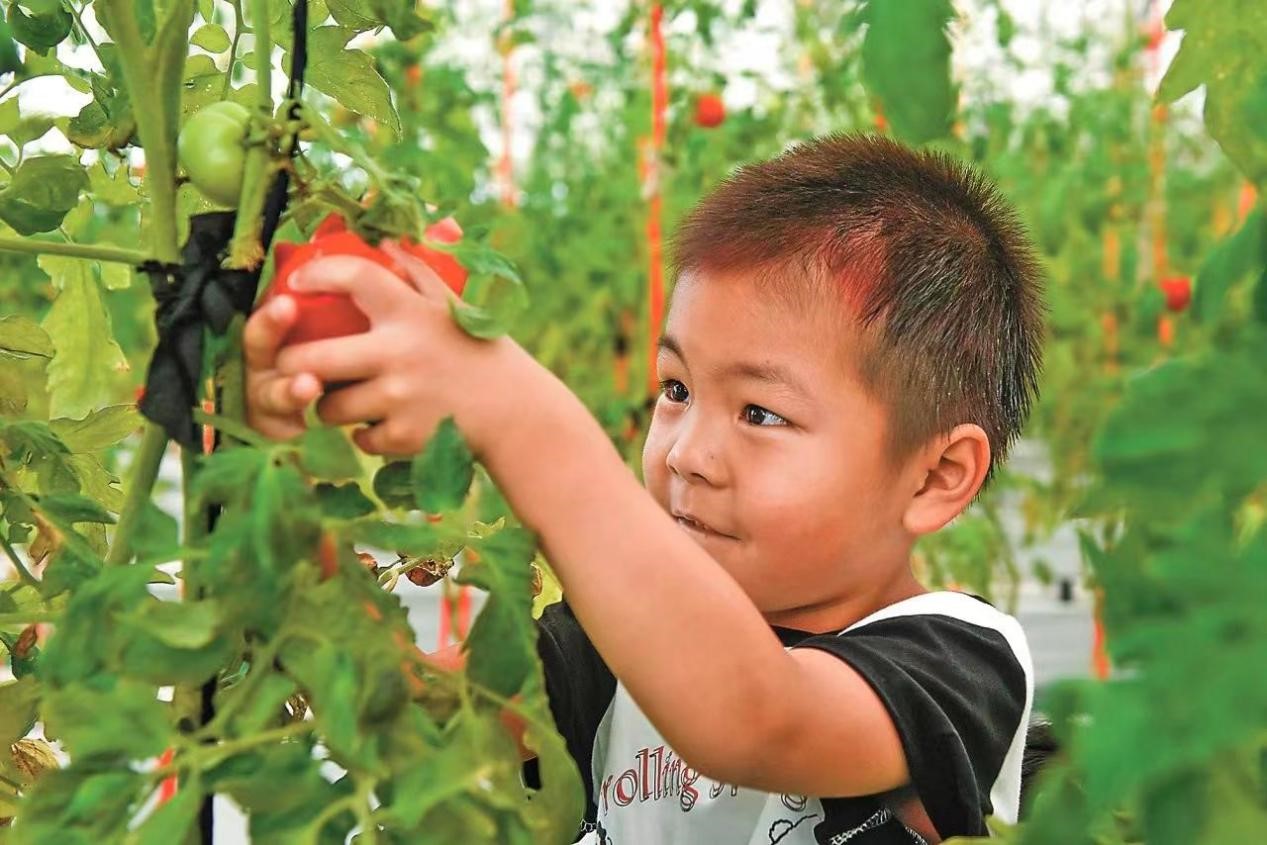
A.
pixel 769 373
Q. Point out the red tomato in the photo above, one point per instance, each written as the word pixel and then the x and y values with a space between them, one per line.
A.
pixel 328 315
pixel 710 111
pixel 1178 291
pixel 446 231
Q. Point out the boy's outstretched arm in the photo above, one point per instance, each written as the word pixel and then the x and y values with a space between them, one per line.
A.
pixel 675 628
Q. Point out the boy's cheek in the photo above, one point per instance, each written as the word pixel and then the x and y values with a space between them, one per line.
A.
pixel 654 470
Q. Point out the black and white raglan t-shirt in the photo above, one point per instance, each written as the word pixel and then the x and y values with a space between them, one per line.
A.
pixel 954 672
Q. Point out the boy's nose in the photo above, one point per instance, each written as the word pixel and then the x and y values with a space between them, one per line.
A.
pixel 695 457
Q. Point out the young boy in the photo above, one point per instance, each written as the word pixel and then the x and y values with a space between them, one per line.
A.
pixel 745 655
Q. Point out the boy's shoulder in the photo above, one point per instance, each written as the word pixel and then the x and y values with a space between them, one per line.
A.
pixel 966 608
pixel 938 632
pixel 956 676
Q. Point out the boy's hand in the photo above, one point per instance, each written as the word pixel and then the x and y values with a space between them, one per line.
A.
pixel 275 401
pixel 414 367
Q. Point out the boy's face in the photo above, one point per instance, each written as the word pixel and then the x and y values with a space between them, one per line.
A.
pixel 763 433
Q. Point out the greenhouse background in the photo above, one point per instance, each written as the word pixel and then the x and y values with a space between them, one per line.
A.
pixel 1125 532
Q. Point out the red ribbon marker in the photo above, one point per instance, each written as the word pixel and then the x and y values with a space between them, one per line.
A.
pixel 650 161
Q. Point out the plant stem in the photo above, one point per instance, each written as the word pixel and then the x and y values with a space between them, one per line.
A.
pixel 9 619
pixel 238 26
pixel 87 35
pixel 143 473
pixel 87 251
pixel 261 666
pixel 364 812
pixel 245 251
pixel 246 743
pixel 156 125
pixel 23 572
pixel 205 756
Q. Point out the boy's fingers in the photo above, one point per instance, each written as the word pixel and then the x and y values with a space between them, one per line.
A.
pixel 285 395
pixel 265 331
pixel 377 291
pixel 347 358
pixel 278 428
pixel 418 272
pixel 386 438
pixel 356 403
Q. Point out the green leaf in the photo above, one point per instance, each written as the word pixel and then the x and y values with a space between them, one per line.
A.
pixel 204 84
pixel 31 128
pixel 906 66
pixel 361 15
pixel 415 540
pixel 79 806
pixel 1224 48
pixel 34 445
pixel 480 259
pixel 349 76
pixel 96 482
pixel 227 473
pixel 328 675
pixel 113 190
pixel 491 303
pixel 124 721
pixel 23 338
pixel 156 539
pixel 275 781
pixel 78 648
pixel 441 475
pixel 107 122
pixel 476 321
pixel 18 702
pixel 42 31
pixel 172 820
pixel 99 430
pixel 559 805
pixel 343 501
pixel 327 453
pixel 87 359
pixel 353 14
pixel 1182 430
pixel 1231 260
pixel 10 114
pixel 262 708
pixel 67 509
pixel 212 38
pixel 42 191
pixel 141 655
pixel 501 642
pixel 182 625
pixel 393 486
pixel 73 564
pixel 10 61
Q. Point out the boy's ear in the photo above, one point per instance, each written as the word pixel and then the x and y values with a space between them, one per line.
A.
pixel 953 468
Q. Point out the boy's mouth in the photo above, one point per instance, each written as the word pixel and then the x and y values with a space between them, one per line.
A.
pixel 694 525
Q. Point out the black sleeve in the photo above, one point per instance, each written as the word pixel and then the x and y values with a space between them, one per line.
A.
pixel 957 694
pixel 580 688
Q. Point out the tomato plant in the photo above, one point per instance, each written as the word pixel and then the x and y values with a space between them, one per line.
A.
pixel 325 315
pixel 211 148
pixel 288 654
pixel 710 111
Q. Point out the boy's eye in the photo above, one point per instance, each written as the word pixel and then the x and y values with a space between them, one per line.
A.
pixel 757 415
pixel 674 390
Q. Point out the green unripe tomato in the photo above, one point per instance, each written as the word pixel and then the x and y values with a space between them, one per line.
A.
pixel 211 150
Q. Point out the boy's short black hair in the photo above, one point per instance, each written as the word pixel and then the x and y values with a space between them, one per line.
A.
pixel 939 274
